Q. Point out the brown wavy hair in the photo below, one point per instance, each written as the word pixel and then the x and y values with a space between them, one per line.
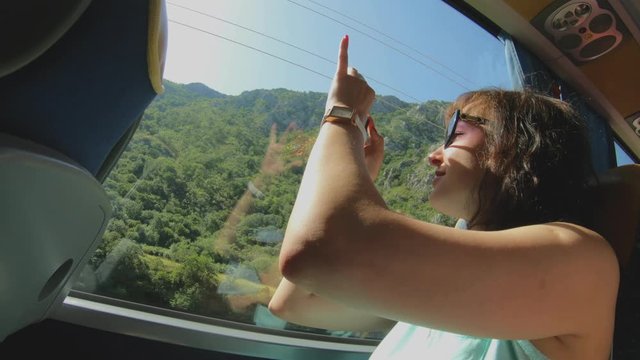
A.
pixel 536 158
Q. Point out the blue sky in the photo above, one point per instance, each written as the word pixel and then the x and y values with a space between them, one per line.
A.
pixel 416 50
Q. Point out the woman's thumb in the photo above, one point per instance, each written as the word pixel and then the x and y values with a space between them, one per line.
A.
pixel 371 127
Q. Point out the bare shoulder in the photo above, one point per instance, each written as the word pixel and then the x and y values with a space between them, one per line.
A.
pixel 594 338
pixel 584 243
pixel 593 248
pixel 596 261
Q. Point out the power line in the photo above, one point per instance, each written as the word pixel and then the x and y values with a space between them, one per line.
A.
pixel 393 39
pixel 252 48
pixel 253 31
pixel 292 45
pixel 287 61
pixel 383 43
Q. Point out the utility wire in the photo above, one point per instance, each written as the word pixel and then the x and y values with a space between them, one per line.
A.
pixel 383 43
pixel 292 45
pixel 252 48
pixel 287 61
pixel 253 31
pixel 393 39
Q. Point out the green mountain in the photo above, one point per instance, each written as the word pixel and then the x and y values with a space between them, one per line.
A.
pixel 203 193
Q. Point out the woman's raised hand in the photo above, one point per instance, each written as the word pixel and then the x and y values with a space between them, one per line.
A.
pixel 348 87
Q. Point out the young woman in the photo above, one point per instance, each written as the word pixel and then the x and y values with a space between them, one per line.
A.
pixel 527 279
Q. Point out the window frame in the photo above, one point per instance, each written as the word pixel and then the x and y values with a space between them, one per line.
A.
pixel 205 333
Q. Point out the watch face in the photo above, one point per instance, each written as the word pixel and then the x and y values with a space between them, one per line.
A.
pixel 342 112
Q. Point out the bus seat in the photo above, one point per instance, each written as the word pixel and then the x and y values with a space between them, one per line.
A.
pixel 52 215
pixel 617 207
pixel 77 75
pixel 35 31
pixel 75 78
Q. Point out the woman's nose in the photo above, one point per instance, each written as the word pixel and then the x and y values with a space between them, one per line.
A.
pixel 435 158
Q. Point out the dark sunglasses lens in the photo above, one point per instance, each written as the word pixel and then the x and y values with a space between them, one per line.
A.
pixel 451 128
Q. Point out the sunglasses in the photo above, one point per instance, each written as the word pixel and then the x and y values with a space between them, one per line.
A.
pixel 453 124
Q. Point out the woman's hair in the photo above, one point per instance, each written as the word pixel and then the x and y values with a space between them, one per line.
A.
pixel 536 158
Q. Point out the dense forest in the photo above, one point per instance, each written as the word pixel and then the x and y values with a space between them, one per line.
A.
pixel 203 193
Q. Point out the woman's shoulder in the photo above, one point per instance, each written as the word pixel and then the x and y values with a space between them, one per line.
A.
pixel 586 250
pixel 569 234
pixel 598 262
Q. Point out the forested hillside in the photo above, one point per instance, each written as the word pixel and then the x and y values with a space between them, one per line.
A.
pixel 203 193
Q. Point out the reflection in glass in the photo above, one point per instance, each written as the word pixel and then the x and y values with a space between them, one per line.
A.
pixel 204 190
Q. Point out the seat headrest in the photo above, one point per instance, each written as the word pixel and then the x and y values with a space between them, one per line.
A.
pixel 52 215
pixel 34 26
pixel 84 92
pixel 616 197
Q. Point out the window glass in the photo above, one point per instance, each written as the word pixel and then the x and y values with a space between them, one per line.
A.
pixel 622 158
pixel 203 192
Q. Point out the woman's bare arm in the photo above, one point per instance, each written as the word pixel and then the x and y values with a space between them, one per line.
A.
pixel 296 305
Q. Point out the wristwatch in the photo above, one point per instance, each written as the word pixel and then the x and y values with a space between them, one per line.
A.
pixel 344 114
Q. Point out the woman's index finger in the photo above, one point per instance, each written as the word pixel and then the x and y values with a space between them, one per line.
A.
pixel 343 56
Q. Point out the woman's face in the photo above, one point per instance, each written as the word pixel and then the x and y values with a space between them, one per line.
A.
pixel 458 172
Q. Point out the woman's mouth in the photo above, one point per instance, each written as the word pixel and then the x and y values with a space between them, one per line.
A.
pixel 439 175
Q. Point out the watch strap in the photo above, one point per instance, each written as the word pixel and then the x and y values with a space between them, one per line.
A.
pixel 355 120
pixel 362 126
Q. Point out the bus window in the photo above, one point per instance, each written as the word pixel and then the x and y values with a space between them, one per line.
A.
pixel 622 157
pixel 203 192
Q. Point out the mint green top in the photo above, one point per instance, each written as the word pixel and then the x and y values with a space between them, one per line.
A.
pixel 408 342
